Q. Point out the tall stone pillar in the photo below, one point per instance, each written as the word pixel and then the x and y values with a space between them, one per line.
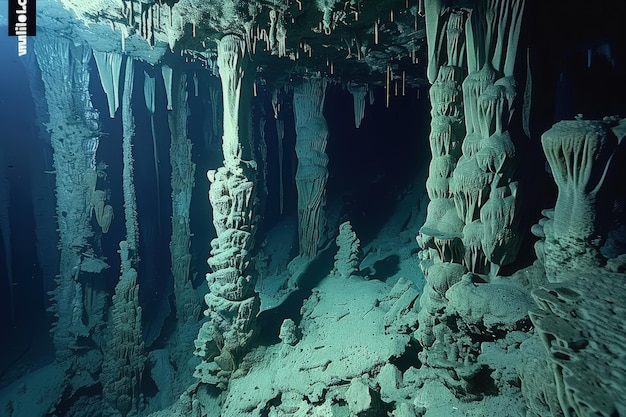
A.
pixel 77 303
pixel 232 302
pixel 312 174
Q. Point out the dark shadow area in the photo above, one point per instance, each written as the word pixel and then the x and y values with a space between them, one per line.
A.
pixel 387 267
pixel 269 321
pixel 369 167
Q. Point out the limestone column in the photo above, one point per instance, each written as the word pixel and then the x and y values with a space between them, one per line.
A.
pixel 311 174
pixel 74 134
pixel 182 182
pixel 232 302
pixel 472 218
pixel 124 356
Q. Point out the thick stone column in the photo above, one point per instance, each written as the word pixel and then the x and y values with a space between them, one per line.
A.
pixel 472 218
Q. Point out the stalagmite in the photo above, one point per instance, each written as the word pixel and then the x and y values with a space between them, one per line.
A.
pixel 311 175
pixel 349 255
pixel 473 196
pixel 124 356
pixel 579 153
pixel 109 67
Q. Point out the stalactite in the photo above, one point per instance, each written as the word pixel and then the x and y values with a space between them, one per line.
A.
pixel 281 37
pixel 435 24
pixel 358 96
pixel 376 32
pixel 167 79
pixel 149 87
pixel 387 86
pixel 215 98
pixel 455 38
pixel 280 133
pixel 109 66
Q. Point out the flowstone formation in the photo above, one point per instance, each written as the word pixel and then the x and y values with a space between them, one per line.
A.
pixel 232 302
pixel 472 218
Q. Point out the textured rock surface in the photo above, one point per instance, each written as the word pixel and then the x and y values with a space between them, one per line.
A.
pixel 581 328
pixel 320 367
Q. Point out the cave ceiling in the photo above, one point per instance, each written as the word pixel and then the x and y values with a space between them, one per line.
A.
pixel 348 41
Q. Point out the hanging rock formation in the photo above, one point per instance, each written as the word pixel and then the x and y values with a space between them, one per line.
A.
pixel 109 67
